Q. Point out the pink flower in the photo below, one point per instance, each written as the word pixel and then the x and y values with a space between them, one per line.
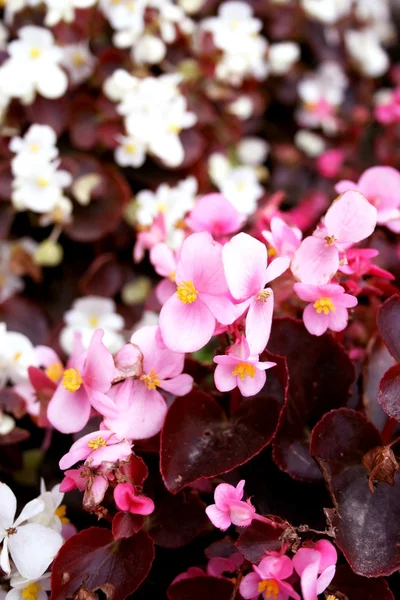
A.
pixel 310 562
pixel 95 448
pixel 358 262
pixel 229 508
pixel 164 261
pixel 381 187
pixel 94 482
pixel 189 574
pixel 188 318
pixel 268 580
pixel 84 385
pixel 126 500
pixel 350 219
pixel 284 240
pixel 330 162
pixel 215 214
pixel 140 407
pixel 245 265
pixel 217 566
pixel 328 306
pixel 239 369
pixel 388 111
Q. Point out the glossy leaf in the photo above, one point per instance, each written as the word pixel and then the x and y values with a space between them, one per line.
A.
pixel 388 320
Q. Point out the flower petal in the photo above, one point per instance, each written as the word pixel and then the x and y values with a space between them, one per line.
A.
pixel 250 386
pixel 69 411
pixel 258 324
pixel 186 327
pixel 315 323
pixel 8 506
pixel 30 510
pixel 249 586
pixel 245 261
pixel 33 548
pixel 179 386
pixel 351 218
pixel 314 261
pixel 218 518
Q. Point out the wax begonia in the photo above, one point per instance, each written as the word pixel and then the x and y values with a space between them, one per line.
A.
pixel 188 318
pixel 29 589
pixel 245 262
pixel 238 368
pixel 328 306
pixel 32 546
pixel 283 239
pixel 268 580
pixel 229 508
pixel 215 214
pixel 17 354
pixel 381 187
pixel 85 381
pixel 316 566
pixel 126 500
pixel 95 448
pixel 350 219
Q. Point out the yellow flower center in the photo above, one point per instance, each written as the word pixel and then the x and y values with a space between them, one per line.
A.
pixel 72 380
pixel 35 52
pixel 161 207
pixel 34 148
pixel 17 356
pixel 78 59
pixel 151 380
pixel 61 513
pixel 271 252
pixel 172 276
pixel 324 305
pixel 330 239
pixel 55 372
pixel 234 24
pixel 241 186
pixel 264 295
pixel 93 321
pixel 269 587
pixel 174 128
pixel 332 597
pixel 186 292
pixel 42 182
pixel 97 443
pixel 31 592
pixel 130 148
pixel 244 369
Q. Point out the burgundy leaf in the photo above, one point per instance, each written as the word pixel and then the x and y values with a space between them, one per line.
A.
pixel 104 277
pixel 134 471
pixel 15 436
pixel 199 588
pixel 259 538
pixel 354 587
pixel 389 325
pixel 24 316
pixel 367 525
pixel 125 524
pixel 320 376
pixel 389 396
pixel 199 441
pixel 49 112
pixel 94 560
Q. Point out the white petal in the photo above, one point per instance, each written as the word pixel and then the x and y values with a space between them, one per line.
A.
pixel 4 558
pixel 33 508
pixel 33 548
pixel 8 506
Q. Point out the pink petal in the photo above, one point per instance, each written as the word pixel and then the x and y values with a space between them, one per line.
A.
pixel 215 214
pixel 123 495
pixel 325 578
pixel 346 300
pixel 351 218
pixel 315 323
pixel 282 568
pixel 241 513
pixel 73 456
pixel 381 185
pixel 98 488
pixel 250 386
pixel 307 292
pixel 346 185
pixel 102 403
pixel 249 586
pixel 304 557
pixel 309 581
pixel 245 261
pixel 178 386
pixel 163 259
pixel 186 327
pixel 224 494
pixel 69 412
pixel 314 261
pixel 258 324
pixel 164 290
pixel 338 319
pixel 274 270
pixel 221 307
pixel 165 362
pixel 98 371
pixel 111 454
pixel 223 378
pixel 46 356
pixel 218 518
pixel 286 591
pixel 201 262
pixel 328 554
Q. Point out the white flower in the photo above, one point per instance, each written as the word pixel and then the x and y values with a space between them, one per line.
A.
pixel 14 6
pixel 7 423
pixel 233 26
pixel 366 52
pixel 64 10
pixel 131 152
pixel 282 56
pixel 33 66
pixel 29 589
pixel 310 143
pixel 191 6
pixel 149 49
pixel 242 107
pixel 38 187
pixel 60 213
pixel 252 151
pixel 327 11
pixel 127 17
pixel 32 547
pixel 78 61
pixel 54 511
pixel 17 354
pixel 38 144
pixel 87 315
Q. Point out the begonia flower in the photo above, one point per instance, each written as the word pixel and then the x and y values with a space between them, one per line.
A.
pixel 188 318
pixel 268 580
pixel 84 384
pixel 328 307
pixel 53 515
pixel 229 508
pixel 95 448
pixel 29 589
pixel 126 500
pixel 283 239
pixel 32 546
pixel 316 566
pixel 215 214
pixel 17 354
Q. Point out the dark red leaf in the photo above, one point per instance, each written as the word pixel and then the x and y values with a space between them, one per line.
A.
pixel 201 588
pixel 355 587
pixel 389 396
pixel 199 441
pixel 83 122
pixel 24 316
pixel 389 325
pixel 104 277
pixel 49 112
pixel 367 525
pixel 125 524
pixel 5 181
pixel 93 559
pixel 134 471
pixel 15 436
pixel 320 377
pixel 178 519
pixel 259 538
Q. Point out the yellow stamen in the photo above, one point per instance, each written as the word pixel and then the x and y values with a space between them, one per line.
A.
pixel 97 443
pixel 332 597
pixel 34 148
pixel 17 356
pixel 269 587
pixel 324 305
pixel 234 24
pixel 61 513
pixel 93 321
pixel 186 292
pixel 42 182
pixel 31 592
pixel 330 239
pixel 264 295
pixel 161 207
pixel 271 251
pixel 130 148
pixel 72 380
pixel 55 372
pixel 78 59
pixel 241 186
pixel 172 276
pixel 244 369
pixel 174 128
pixel 151 380
pixel 35 52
